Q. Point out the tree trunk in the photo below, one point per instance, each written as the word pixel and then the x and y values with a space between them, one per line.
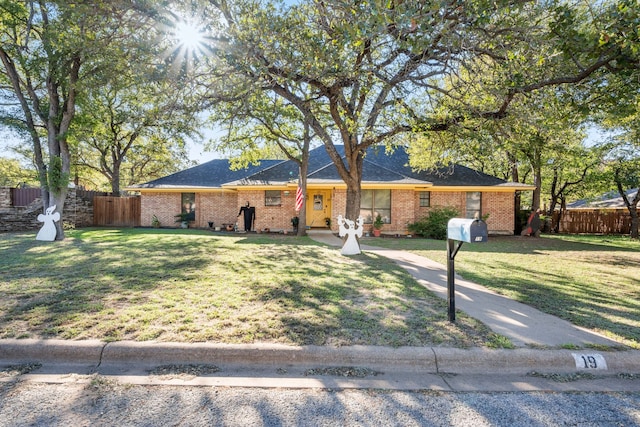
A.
pixel 115 179
pixel 632 205
pixel 353 202
pixel 58 200
pixel 561 211
pixel 302 215
pixel 354 182
pixel 537 181
pixel 517 201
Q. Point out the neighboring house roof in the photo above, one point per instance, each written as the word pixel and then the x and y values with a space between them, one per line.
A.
pixel 610 200
pixel 379 168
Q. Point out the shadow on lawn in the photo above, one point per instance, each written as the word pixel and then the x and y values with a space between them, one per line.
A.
pixel 514 244
pixel 374 304
pixel 521 244
pixel 583 305
pixel 53 283
pixel 97 284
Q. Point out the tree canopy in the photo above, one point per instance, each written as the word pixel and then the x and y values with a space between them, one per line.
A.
pixel 45 49
pixel 344 72
pixel 62 60
pixel 366 73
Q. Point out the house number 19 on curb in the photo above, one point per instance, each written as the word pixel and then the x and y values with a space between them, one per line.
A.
pixel 589 361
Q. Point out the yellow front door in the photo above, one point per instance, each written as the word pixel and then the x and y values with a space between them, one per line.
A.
pixel 318 207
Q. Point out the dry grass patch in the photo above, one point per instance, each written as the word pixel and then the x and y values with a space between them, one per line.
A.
pixel 194 286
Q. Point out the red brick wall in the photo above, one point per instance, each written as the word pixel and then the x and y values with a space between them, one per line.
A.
pixel 501 210
pixel 223 207
pixel 499 206
pixel 338 206
pixel 272 217
pixel 165 206
pixel 219 208
pixel 403 203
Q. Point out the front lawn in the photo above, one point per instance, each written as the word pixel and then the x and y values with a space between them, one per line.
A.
pixel 591 281
pixel 191 285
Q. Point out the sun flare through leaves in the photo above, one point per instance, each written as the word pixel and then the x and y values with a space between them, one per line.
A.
pixel 188 43
pixel 189 36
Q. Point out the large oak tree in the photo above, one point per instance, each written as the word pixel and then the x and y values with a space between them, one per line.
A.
pixel 364 73
pixel 47 50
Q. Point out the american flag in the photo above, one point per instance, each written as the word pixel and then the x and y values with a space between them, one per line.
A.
pixel 299 199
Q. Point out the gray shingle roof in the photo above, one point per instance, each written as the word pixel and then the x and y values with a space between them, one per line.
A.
pixel 378 167
pixel 611 200
pixel 211 174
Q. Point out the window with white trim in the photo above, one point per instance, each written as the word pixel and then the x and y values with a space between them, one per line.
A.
pixel 189 205
pixel 425 199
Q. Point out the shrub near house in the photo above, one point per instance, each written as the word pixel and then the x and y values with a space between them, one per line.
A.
pixel 434 225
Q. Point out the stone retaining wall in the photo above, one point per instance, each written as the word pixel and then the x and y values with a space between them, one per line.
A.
pixel 78 212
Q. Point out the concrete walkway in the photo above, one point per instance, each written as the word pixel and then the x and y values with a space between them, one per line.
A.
pixel 522 324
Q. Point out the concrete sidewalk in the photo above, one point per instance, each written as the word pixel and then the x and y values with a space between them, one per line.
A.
pixel 522 324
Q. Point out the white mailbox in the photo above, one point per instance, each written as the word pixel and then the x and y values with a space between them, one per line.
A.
pixel 467 230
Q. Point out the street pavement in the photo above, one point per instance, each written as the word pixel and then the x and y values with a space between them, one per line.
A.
pixel 551 354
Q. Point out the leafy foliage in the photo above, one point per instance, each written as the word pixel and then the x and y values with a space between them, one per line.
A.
pixel 434 224
pixel 12 173
pixel 57 178
pixel 46 53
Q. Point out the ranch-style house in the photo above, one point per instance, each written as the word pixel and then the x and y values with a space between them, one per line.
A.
pixel 212 194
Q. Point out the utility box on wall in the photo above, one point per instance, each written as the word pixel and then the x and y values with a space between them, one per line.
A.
pixel 467 230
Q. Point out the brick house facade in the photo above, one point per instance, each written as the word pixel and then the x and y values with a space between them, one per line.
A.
pixel 218 193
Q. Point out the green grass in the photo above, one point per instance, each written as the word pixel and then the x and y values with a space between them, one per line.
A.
pixel 591 281
pixel 195 286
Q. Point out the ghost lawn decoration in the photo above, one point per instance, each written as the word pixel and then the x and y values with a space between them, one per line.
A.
pixel 48 231
pixel 346 227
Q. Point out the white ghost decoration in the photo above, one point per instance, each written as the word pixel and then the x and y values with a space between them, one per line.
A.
pixel 351 245
pixel 48 231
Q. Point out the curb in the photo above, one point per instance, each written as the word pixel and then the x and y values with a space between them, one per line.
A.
pixel 51 351
pixel 523 361
pixel 402 359
pixel 392 359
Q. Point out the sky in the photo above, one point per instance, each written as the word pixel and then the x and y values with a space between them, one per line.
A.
pixel 196 149
pixel 198 153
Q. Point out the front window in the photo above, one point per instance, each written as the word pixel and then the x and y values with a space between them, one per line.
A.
pixel 189 205
pixel 272 198
pixel 374 202
pixel 425 199
pixel 474 204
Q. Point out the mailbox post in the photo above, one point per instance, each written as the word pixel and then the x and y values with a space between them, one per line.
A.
pixel 459 231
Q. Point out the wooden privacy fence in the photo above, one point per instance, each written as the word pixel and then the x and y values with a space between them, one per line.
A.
pixel 116 211
pixel 594 221
pixel 24 196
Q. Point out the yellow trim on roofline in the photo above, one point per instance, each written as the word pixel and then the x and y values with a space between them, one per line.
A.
pixel 365 186
pixel 497 189
pixel 180 190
